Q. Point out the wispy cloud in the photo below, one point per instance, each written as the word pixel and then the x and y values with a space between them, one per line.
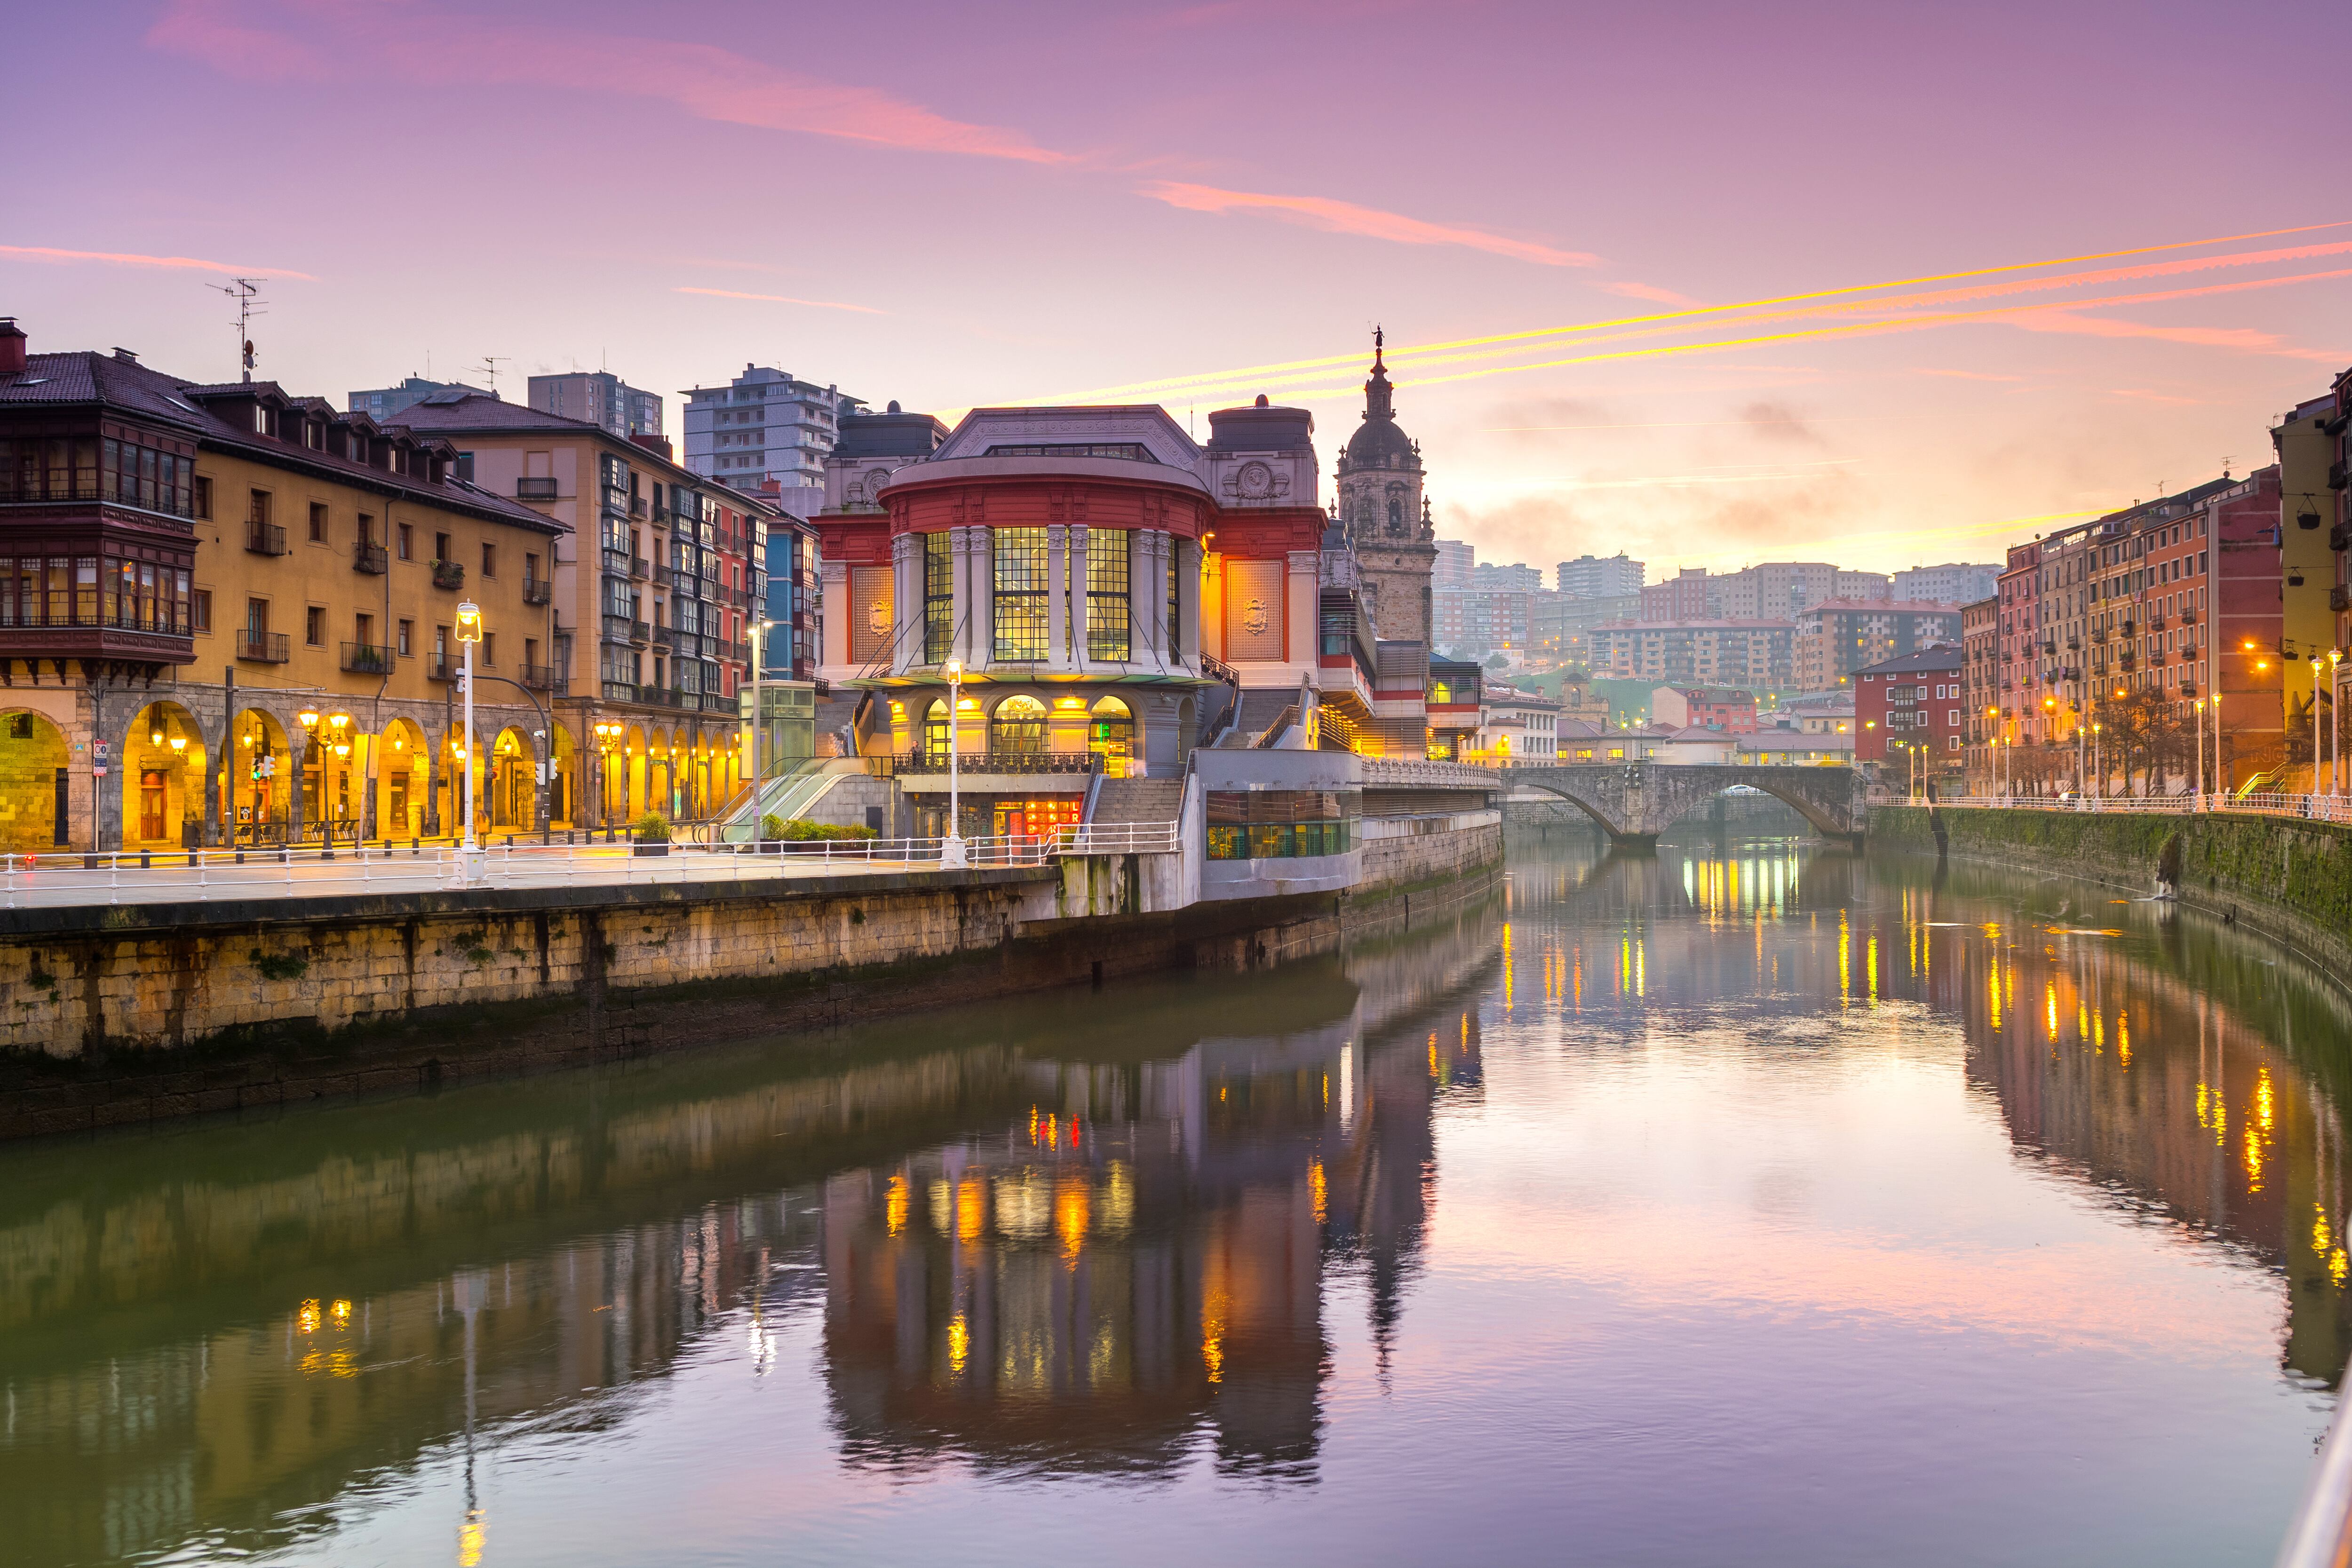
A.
pixel 1346 217
pixel 130 258
pixel 780 299
pixel 1964 375
pixel 450 49
pixel 1649 291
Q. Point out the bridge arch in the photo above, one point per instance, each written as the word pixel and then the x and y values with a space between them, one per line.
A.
pixel 1634 803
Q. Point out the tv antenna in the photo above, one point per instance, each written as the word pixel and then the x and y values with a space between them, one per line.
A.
pixel 246 292
pixel 491 367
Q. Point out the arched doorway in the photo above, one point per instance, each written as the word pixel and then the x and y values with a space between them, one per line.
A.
pixel 163 768
pixel 402 782
pixel 562 779
pixel 334 774
pixel 1110 735
pixel 633 775
pixel 513 782
pixel 35 812
pixel 1017 726
pixel 659 774
pixel 261 779
pixel 935 733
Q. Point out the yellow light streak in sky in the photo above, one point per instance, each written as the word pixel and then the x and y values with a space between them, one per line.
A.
pixel 1355 357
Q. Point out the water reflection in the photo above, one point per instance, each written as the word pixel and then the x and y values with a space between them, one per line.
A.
pixel 1173 1231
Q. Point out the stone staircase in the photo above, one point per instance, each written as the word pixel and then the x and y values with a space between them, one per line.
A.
pixel 1137 801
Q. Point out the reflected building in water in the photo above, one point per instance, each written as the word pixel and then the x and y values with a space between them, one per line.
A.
pixel 213 1338
pixel 1143 1255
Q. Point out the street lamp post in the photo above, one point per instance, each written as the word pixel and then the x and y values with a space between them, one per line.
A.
pixel 469 632
pixel 759 721
pixel 2200 752
pixel 952 850
pixel 2315 724
pixel 2334 732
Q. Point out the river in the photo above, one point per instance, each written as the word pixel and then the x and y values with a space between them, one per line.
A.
pixel 1753 1203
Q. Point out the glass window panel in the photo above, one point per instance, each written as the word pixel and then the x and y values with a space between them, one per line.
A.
pixel 1107 594
pixel 7 588
pixel 939 598
pixel 86 591
pixel 1021 610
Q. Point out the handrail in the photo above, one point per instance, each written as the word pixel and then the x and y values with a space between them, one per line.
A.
pixel 596 857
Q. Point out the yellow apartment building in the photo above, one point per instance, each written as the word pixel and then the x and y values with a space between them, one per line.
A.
pixel 228 614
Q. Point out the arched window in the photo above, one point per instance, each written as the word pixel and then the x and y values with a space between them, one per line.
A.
pixel 1018 726
pixel 935 733
pixel 1110 735
pixel 1396 514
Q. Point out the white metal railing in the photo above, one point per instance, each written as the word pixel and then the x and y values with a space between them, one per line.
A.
pixel 1122 838
pixel 203 876
pixel 2313 808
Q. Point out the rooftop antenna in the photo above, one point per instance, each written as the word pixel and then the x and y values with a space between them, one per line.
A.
pixel 491 367
pixel 246 292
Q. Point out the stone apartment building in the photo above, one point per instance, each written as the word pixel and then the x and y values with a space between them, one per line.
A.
pixel 657 593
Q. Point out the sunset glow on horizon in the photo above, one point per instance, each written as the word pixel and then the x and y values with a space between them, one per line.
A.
pixel 1622 258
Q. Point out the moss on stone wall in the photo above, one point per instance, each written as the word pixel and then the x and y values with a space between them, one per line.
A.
pixel 2289 877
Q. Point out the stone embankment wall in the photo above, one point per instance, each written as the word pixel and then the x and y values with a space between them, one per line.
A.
pixel 1454 847
pixel 117 1015
pixel 2289 879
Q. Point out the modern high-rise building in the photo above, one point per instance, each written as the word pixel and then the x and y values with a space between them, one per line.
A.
pixel 599 398
pixel 1518 576
pixel 1456 561
pixel 382 403
pixel 1598 577
pixel 1954 583
pixel 767 424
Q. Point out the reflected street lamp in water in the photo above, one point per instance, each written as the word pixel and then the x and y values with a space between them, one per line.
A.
pixel 952 849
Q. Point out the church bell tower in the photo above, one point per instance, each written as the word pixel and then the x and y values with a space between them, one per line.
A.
pixel 1386 515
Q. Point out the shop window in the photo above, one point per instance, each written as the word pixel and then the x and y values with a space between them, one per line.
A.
pixel 1017 726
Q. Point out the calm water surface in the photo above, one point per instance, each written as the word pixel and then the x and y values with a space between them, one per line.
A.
pixel 1750 1203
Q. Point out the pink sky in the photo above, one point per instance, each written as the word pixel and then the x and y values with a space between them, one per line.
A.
pixel 951 205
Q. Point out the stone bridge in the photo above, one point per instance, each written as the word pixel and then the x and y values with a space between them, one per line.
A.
pixel 1636 801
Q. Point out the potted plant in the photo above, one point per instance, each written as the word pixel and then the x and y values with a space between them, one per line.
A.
pixel 651 835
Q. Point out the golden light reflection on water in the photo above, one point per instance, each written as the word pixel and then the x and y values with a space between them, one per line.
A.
pixel 1123 1238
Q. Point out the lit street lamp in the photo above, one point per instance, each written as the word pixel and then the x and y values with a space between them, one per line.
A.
pixel 952 850
pixel 469 632
pixel 2334 732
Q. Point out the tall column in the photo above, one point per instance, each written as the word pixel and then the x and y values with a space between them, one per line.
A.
pixel 1189 638
pixel 1147 595
pixel 971 596
pixel 906 602
pixel 1079 658
pixel 1057 604
pixel 983 595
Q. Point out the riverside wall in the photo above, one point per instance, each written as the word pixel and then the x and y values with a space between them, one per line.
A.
pixel 2289 879
pixel 130 1014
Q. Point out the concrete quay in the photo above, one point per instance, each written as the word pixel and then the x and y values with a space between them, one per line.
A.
pixel 133 1012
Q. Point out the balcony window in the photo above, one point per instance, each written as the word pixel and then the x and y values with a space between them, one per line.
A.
pixel 1020 588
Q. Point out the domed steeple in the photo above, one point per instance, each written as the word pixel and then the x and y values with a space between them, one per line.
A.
pixel 1378 442
pixel 1386 516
